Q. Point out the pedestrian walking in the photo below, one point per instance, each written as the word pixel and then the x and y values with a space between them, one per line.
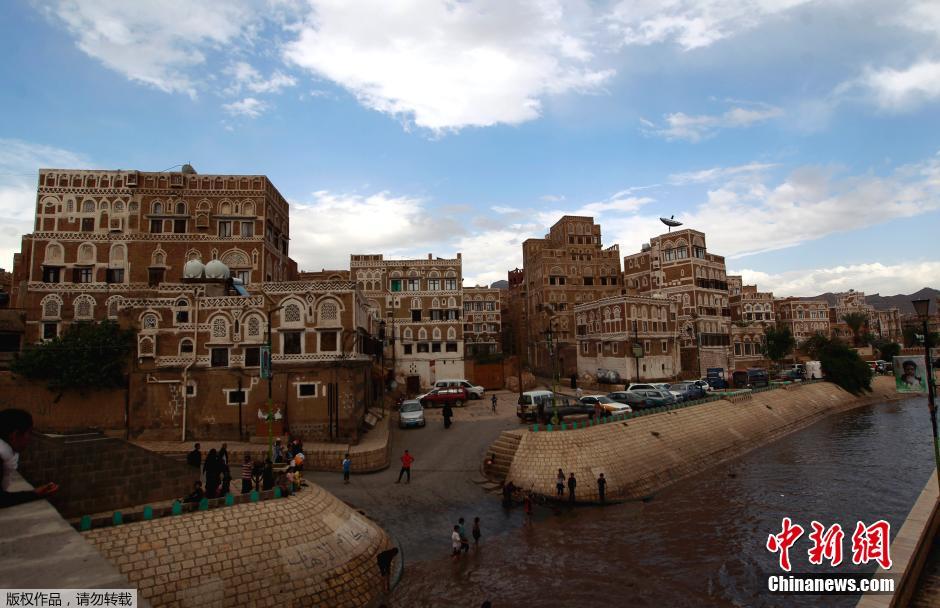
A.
pixel 476 531
pixel 601 487
pixel 560 484
pixel 464 541
pixel 213 471
pixel 455 542
pixel 448 413
pixel 406 461
pixel 347 465
pixel 572 484
pixel 508 489
pixel 246 474
pixel 385 559
pixel 267 475
pixel 226 479
pixel 578 393
pixel 278 451
pixel 527 506
pixel 223 454
pixel 194 458
pixel 257 473
pixel 493 401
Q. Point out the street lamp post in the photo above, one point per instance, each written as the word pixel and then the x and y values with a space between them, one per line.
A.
pixel 922 307
pixel 270 415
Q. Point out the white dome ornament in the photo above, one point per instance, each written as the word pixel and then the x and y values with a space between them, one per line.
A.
pixel 217 270
pixel 194 269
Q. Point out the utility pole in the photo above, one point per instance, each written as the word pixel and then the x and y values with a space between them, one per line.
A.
pixel 549 334
pixel 636 350
pixel 270 375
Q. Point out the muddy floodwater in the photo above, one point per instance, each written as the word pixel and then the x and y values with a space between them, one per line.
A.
pixel 700 542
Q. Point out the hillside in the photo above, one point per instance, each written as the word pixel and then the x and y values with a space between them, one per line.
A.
pixel 900 301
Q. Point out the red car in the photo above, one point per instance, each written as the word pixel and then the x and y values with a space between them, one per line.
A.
pixel 455 396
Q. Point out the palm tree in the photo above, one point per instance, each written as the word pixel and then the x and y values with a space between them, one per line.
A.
pixel 856 321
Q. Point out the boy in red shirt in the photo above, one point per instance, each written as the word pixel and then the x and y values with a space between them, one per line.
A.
pixel 406 461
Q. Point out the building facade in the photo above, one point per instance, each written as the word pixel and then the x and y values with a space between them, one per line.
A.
pixel 679 266
pixel 570 266
pixel 804 318
pixel 482 321
pixel 635 336
pixel 421 303
pixel 752 311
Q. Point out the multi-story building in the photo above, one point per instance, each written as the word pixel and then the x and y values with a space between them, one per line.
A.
pixel 420 301
pixel 881 324
pixel 570 266
pixel 678 265
pixel 636 336
pixel 195 264
pixel 102 235
pixel 751 312
pixel 805 318
pixel 482 321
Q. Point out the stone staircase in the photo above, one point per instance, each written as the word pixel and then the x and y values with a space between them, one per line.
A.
pixel 504 448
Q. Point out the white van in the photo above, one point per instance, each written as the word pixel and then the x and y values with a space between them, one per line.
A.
pixel 527 407
pixel 473 391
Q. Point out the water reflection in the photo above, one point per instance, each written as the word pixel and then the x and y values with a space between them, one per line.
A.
pixel 700 542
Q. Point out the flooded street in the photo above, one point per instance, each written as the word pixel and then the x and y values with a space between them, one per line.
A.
pixel 699 542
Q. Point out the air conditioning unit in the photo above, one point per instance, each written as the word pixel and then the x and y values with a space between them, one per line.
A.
pixel 132 180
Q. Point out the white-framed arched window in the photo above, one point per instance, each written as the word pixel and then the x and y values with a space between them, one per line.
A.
pixel 55 254
pixel 436 334
pixel 254 328
pixel 86 253
pixel 84 306
pixel 51 307
pixel 328 313
pixel 292 314
pixel 451 333
pixel 407 336
pixel 186 346
pixel 149 321
pixel 422 334
pixel 112 305
pixel 156 208
pixel 219 328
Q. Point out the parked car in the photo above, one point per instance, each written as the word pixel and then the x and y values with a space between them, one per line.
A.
pixel 610 406
pixel 634 399
pixel 658 398
pixel 608 376
pixel 791 375
pixel 665 386
pixel 641 387
pixel 439 396
pixel 753 377
pixel 704 385
pixel 474 391
pixel 411 413
pixel 690 390
pixel 528 406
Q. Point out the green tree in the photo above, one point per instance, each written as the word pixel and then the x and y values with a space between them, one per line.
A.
pixel 843 366
pixel 887 351
pixel 856 322
pixel 778 343
pixel 87 356
pixel 812 347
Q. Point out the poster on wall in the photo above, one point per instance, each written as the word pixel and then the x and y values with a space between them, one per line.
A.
pixel 910 375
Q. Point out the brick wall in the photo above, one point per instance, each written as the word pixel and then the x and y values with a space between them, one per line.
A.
pixel 97 474
pixel 306 550
pixel 642 455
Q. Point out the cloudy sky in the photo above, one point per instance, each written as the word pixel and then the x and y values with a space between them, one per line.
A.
pixel 802 137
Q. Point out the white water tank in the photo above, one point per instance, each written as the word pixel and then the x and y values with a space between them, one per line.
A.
pixel 193 269
pixel 217 270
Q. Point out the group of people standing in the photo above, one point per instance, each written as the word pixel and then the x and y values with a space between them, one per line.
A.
pixel 256 474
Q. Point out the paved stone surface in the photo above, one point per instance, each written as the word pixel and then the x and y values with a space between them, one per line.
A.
pixel 306 550
pixel 446 482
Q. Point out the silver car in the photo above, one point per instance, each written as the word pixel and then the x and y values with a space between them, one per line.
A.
pixel 411 413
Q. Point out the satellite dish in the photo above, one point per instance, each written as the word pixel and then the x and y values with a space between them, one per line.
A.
pixel 670 221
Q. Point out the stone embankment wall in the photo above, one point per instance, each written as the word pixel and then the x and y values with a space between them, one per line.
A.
pixel 641 455
pixel 97 474
pixel 310 549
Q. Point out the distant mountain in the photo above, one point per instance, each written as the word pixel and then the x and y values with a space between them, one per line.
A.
pixel 901 301
pixel 504 284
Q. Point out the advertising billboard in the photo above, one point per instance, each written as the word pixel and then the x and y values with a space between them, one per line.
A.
pixel 910 374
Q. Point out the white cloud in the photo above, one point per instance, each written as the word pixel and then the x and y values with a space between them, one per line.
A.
pixel 249 106
pixel 695 128
pixel 718 173
pixel 19 161
pixel 156 43
pixel 244 75
pixel 504 210
pixel 743 217
pixel 449 65
pixel 334 225
pixel 873 277
pixel 552 198
pixel 899 90
pixel 691 24
pixel 489 255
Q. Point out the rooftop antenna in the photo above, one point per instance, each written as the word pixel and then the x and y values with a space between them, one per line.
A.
pixel 670 221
